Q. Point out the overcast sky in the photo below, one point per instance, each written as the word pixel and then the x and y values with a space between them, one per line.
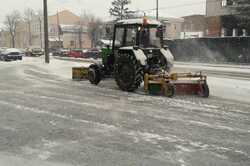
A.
pixel 100 7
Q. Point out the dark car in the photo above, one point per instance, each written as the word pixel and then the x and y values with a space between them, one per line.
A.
pixel 60 52
pixel 11 54
pixel 93 53
pixel 35 52
pixel 64 52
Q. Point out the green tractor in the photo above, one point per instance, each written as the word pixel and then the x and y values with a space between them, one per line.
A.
pixel 137 49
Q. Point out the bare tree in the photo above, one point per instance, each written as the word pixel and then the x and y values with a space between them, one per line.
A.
pixel 94 29
pixel 28 16
pixel 82 21
pixel 40 20
pixel 11 22
pixel 94 25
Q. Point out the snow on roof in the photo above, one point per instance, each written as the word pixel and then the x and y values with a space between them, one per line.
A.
pixel 169 18
pixel 10 50
pixel 54 39
pixel 108 42
pixel 172 20
pixel 139 21
pixel 72 28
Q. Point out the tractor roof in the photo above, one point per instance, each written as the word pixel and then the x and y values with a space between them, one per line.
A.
pixel 138 22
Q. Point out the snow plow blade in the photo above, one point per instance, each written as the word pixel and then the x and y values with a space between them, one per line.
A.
pixel 176 84
pixel 79 73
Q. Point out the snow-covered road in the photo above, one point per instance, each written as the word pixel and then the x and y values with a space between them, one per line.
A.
pixel 48 119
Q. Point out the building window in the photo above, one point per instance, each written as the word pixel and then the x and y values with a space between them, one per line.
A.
pixel 227 3
pixel 224 3
pixel 235 32
pixel 223 32
pixel 72 43
pixel 207 31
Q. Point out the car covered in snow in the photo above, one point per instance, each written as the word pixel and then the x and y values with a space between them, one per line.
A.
pixel 35 51
pixel 10 54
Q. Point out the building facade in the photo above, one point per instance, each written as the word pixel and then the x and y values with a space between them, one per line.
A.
pixel 221 20
pixel 173 27
pixel 64 31
pixel 194 26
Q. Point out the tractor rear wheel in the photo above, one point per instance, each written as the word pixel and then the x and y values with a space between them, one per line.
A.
pixel 128 72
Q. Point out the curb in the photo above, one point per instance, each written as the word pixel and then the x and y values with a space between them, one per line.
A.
pixel 78 59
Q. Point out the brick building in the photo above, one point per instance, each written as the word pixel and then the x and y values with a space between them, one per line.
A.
pixel 65 30
pixel 194 26
pixel 172 26
pixel 221 20
pixel 71 33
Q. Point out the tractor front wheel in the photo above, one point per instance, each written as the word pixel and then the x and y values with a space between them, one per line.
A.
pixel 128 72
pixel 94 74
pixel 205 90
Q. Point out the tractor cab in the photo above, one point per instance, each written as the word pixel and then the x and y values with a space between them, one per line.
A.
pixel 145 39
pixel 142 33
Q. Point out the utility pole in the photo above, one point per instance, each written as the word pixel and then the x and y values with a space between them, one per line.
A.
pixel 157 9
pixel 46 34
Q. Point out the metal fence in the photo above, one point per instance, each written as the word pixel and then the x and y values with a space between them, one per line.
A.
pixel 212 50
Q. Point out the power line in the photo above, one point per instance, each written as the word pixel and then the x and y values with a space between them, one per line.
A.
pixel 181 5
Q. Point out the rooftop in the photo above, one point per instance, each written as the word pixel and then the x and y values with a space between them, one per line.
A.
pixel 139 21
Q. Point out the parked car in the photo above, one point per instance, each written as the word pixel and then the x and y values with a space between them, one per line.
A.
pixel 53 51
pixel 93 53
pixel 11 54
pixel 76 53
pixel 36 51
pixel 64 52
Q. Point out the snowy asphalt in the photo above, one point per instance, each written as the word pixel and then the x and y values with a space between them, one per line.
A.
pixel 48 120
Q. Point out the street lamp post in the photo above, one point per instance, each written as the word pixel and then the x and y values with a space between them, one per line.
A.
pixel 46 38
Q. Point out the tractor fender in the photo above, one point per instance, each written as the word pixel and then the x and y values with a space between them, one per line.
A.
pixel 168 56
pixel 139 54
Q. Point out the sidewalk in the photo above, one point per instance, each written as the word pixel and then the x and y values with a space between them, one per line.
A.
pixel 231 71
pixel 90 60
pixel 245 66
